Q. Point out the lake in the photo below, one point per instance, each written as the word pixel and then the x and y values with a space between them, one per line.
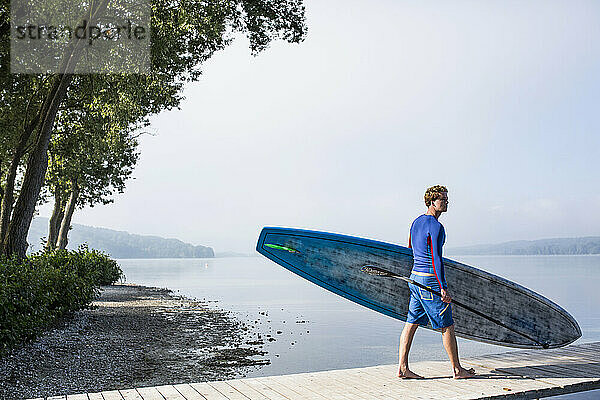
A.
pixel 316 330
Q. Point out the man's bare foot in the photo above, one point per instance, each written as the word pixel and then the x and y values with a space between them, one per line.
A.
pixel 405 373
pixel 464 373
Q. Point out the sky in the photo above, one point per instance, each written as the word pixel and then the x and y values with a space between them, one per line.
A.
pixel 496 100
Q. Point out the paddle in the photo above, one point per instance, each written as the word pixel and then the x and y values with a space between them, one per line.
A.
pixel 371 270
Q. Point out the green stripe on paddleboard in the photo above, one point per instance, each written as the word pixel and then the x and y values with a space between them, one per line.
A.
pixel 274 246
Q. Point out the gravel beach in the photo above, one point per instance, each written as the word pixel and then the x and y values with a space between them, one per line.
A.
pixel 134 336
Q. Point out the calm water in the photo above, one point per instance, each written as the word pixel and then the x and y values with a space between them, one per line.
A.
pixel 321 331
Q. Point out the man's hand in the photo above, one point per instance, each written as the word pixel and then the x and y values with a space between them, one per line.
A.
pixel 445 296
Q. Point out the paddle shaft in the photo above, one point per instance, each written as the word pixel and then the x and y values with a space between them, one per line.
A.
pixel 466 307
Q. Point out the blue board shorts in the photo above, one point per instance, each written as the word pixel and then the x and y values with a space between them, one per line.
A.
pixel 426 308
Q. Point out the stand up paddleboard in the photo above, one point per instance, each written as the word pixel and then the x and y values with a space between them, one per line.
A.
pixel 487 308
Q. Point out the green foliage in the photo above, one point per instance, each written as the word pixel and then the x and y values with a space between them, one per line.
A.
pixel 94 148
pixel 93 265
pixel 36 291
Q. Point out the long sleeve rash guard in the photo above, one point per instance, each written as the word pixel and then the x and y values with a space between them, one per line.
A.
pixel 427 236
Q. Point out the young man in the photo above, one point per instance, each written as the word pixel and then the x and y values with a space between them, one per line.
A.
pixel 427 236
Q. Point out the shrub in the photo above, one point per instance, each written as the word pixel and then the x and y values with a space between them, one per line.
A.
pixel 34 292
pixel 93 264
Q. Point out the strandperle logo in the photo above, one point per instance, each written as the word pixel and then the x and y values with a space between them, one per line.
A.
pixel 83 31
pixel 66 36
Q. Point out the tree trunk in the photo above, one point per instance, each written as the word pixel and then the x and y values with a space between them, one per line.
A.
pixel 15 241
pixel 8 196
pixel 4 28
pixel 37 163
pixel 55 221
pixel 66 221
pixel 1 192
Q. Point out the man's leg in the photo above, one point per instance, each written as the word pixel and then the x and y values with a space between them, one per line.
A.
pixel 449 339
pixel 408 333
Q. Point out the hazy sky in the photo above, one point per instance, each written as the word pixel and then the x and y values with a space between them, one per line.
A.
pixel 497 100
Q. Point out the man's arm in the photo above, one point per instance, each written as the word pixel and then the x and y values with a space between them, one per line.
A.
pixel 435 241
pixel 440 244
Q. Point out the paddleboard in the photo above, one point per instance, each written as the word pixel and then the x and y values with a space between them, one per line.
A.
pixel 336 263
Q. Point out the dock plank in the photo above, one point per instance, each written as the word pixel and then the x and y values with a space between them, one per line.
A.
pixel 365 383
pixel 264 389
pixel 112 395
pixel 130 394
pixel 441 373
pixel 288 392
pixel 351 387
pixel 227 390
pixel 345 384
pixel 523 374
pixel 246 390
pixel 391 386
pixel 81 396
pixel 432 370
pixel 300 385
pixel 327 388
pixel 170 393
pixel 209 392
pixel 188 392
pixel 150 393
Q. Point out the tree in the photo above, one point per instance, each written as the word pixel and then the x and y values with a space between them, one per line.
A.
pixel 94 148
pixel 96 166
pixel 17 124
pixel 184 34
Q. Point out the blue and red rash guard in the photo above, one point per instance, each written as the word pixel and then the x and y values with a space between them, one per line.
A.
pixel 427 236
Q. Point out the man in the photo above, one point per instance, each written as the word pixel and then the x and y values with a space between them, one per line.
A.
pixel 427 236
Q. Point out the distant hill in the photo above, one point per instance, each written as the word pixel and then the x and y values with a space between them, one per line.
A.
pixel 582 245
pixel 120 244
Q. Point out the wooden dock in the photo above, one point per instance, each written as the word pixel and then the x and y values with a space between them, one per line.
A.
pixel 529 374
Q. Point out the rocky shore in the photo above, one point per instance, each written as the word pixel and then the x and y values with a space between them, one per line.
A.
pixel 134 336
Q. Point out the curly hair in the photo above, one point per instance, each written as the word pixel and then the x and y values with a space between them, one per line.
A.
pixel 433 193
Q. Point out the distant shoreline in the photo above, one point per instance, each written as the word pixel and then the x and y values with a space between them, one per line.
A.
pixel 184 258
pixel 124 245
pixel 119 244
pixel 589 245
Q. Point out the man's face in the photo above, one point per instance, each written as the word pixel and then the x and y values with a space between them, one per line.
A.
pixel 441 204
